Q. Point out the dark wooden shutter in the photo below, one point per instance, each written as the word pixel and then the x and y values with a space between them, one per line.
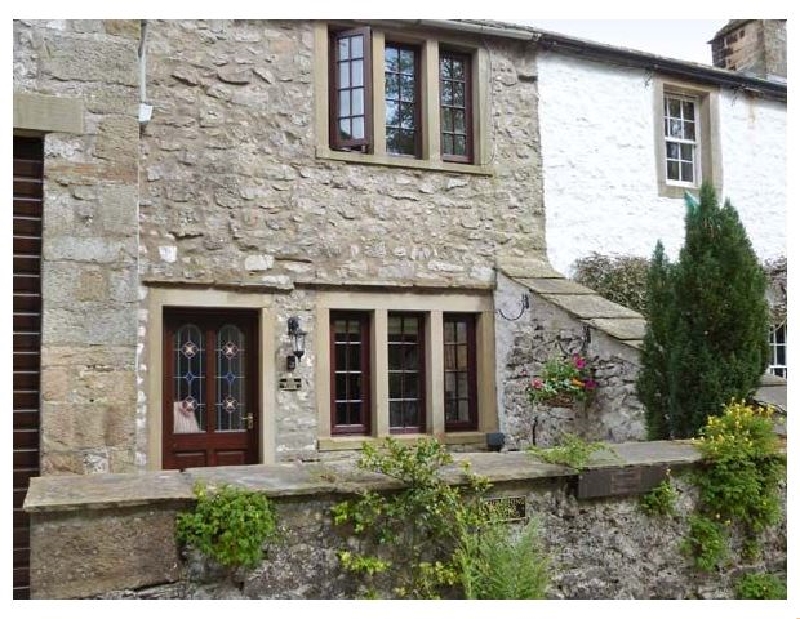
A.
pixel 27 208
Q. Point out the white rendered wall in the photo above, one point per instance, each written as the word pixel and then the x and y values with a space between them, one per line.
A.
pixel 598 156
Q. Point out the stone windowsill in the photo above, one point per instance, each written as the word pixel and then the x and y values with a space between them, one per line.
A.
pixel 402 162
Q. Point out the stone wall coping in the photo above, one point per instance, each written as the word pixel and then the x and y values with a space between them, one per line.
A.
pixel 250 286
pixel 413 284
pixel 81 492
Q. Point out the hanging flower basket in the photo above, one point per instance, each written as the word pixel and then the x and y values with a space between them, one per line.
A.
pixel 562 383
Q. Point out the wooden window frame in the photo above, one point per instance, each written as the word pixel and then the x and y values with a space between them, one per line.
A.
pixel 362 429
pixel 472 372
pixel 364 144
pixel 419 103
pixel 778 339
pixel 421 373
pixel 695 143
pixel 468 107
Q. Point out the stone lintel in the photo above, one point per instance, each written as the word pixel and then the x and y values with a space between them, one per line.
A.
pixel 48 113
pixel 427 285
pixel 156 281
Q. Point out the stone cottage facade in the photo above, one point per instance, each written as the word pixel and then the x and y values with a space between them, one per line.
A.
pixel 249 241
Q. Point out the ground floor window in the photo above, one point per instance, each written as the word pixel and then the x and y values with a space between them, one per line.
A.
pixel 460 372
pixel 777 350
pixel 350 373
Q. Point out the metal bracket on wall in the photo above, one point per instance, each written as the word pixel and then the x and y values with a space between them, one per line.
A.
pixel 525 305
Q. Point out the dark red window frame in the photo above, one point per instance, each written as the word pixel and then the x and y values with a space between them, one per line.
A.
pixel 451 108
pixel 420 372
pixel 363 320
pixel 336 141
pixel 417 102
pixel 471 397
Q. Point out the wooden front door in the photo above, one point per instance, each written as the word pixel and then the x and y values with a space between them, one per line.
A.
pixel 28 174
pixel 210 390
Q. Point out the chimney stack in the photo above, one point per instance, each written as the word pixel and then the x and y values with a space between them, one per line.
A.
pixel 754 47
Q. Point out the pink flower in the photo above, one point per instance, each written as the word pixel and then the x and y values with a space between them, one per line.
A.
pixel 537 383
pixel 590 384
pixel 578 361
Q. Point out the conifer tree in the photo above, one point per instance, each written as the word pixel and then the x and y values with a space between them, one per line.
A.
pixel 707 338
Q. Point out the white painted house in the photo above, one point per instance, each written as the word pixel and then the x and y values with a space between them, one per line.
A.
pixel 625 133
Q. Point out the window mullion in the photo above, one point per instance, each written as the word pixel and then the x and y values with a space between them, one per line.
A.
pixel 378 99
pixel 431 122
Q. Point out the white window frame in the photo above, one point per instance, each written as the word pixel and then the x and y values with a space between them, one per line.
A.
pixel 775 343
pixel 696 142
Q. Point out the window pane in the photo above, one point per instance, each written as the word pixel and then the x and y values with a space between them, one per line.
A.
pixel 406 116
pixel 687 152
pixel 447 93
pixel 395 385
pixel 461 331
pixel 354 354
pixel 392 86
pixel 406 61
pixel 344 128
pixel 411 357
pixel 390 57
pixel 449 385
pixel 341 413
pixel 781 355
pixel 340 358
pixel 394 328
pixel 411 417
pixel 344 75
pixel 449 357
pixel 357 47
pixel 395 414
pixel 358 128
pixel 400 142
pixel 459 95
pixel 356 418
pixel 688 110
pixel 447 144
pixel 340 392
pixel 354 386
pixel 445 68
pixel 410 386
pixel 357 72
pixel 395 357
pixel 463 410
pixel 674 108
pixel 406 88
pixel 340 330
pixel 344 47
pixel 449 331
pixel 463 389
pixel 459 121
pixel 451 410
pixel 411 328
pixel 189 380
pixel 458 69
pixel 673 173
pixel 447 120
pixel 462 357
pixel 460 145
pixel 672 150
pixel 344 103
pixel 675 129
pixel 687 172
pixel 688 130
pixel 357 101
pixel 392 114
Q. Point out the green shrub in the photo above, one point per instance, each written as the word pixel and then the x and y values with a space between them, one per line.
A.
pixel 706 341
pixel 228 525
pixel 410 537
pixel 760 587
pixel 705 543
pixel 495 566
pixel 660 501
pixel 573 451
pixel 620 279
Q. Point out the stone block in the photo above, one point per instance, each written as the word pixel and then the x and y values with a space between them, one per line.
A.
pixel 117 140
pixel 98 249
pixel 89 425
pixel 129 548
pixel 118 209
pixel 90 323
pixel 70 57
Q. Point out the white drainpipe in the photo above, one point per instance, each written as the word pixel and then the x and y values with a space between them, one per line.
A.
pixel 145 110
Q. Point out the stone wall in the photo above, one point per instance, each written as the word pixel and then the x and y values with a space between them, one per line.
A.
pixel 604 198
pixel 547 330
pixel 89 253
pixel 601 548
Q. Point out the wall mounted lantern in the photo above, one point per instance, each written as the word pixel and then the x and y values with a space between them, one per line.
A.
pixel 298 337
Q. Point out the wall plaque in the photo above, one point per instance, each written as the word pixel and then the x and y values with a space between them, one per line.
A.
pixel 290 383
pixel 620 481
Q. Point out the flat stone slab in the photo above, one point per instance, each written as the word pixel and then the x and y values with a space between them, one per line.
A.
pixel 590 306
pixel 530 267
pixel 621 328
pixel 66 492
pixel 555 286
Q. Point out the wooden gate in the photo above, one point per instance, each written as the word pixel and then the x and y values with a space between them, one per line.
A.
pixel 28 181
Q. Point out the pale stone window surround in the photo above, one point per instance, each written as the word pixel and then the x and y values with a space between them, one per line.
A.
pixel 160 298
pixel 430 113
pixel 707 135
pixel 433 306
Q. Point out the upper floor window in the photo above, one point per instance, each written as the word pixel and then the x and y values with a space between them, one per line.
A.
pixel 681 138
pixel 403 100
pixel 456 106
pixel 351 69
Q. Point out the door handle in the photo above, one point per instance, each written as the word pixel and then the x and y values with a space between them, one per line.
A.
pixel 249 420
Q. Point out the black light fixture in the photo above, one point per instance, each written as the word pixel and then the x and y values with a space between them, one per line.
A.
pixel 298 337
